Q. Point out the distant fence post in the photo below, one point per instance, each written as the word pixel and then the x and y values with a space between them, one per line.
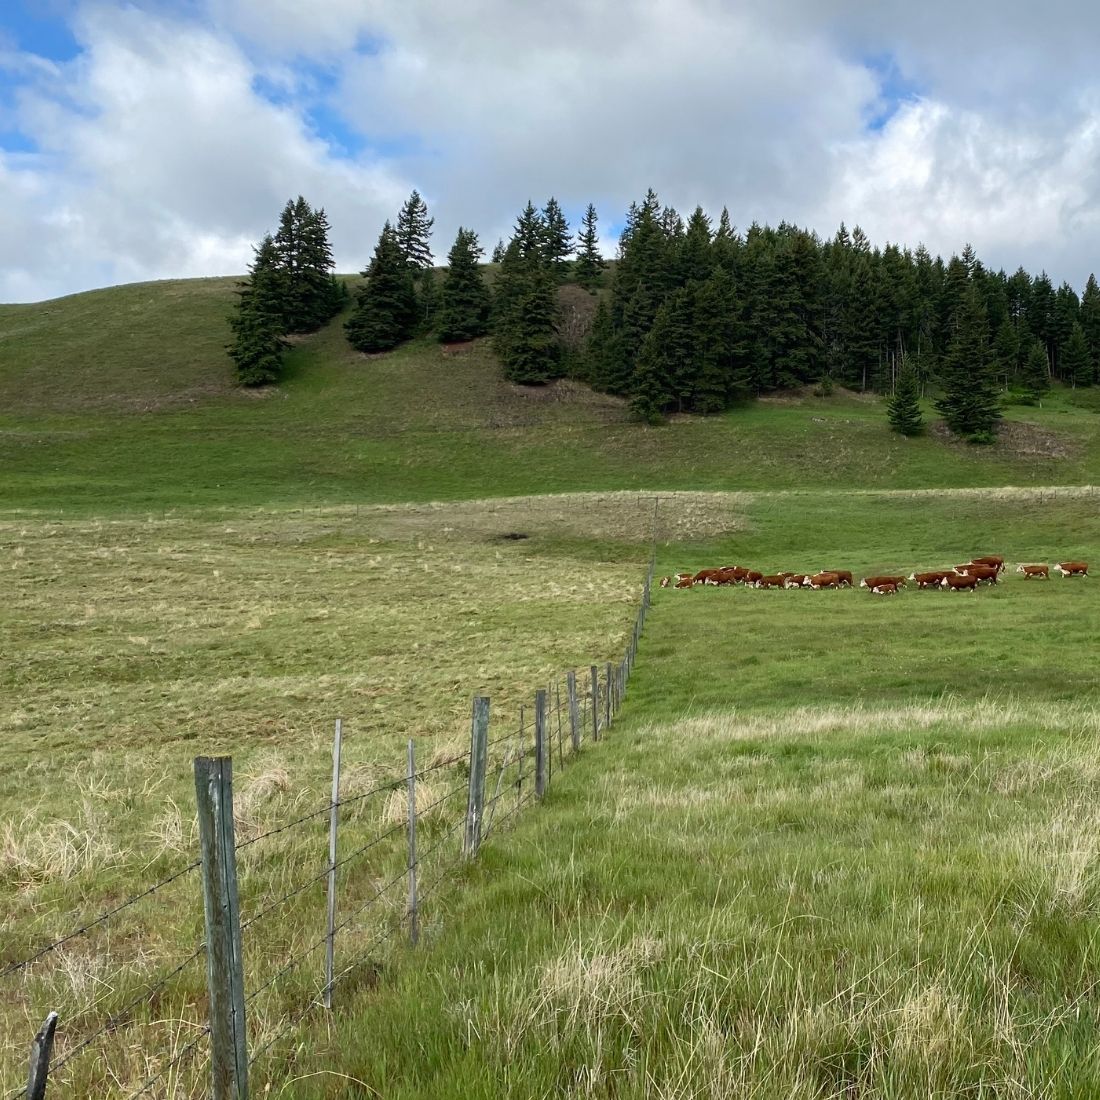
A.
pixel 595 674
pixel 414 916
pixel 333 823
pixel 224 962
pixel 479 748
pixel 41 1049
pixel 609 689
pixel 540 743
pixel 574 716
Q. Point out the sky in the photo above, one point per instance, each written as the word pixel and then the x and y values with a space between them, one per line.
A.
pixel 161 138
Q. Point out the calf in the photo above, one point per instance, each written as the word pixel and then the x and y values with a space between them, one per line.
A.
pixel 777 580
pixel 843 577
pixel 928 580
pixel 1034 571
pixel 959 584
pixel 887 589
pixel 685 582
pixel 821 580
pixel 796 580
pixel 666 581
pixel 871 582
pixel 1073 568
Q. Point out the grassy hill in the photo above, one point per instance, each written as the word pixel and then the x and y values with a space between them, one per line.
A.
pixel 835 846
pixel 122 398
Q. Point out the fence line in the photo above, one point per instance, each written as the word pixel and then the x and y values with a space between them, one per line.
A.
pixel 590 712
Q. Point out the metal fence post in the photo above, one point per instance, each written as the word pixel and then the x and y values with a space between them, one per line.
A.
pixel 41 1049
pixel 540 743
pixel 414 915
pixel 475 803
pixel 333 823
pixel 574 716
pixel 224 962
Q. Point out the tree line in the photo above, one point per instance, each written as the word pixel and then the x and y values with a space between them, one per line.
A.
pixel 698 316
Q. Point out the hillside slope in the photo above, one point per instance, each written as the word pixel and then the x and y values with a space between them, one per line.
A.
pixel 123 398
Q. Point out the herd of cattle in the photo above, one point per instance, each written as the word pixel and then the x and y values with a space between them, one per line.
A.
pixel 959 578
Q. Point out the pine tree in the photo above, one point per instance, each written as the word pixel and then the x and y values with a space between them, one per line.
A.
pixel 386 310
pixel 903 407
pixel 694 257
pixel 311 294
pixel 413 233
pixel 1090 324
pixel 721 375
pixel 1035 372
pixel 498 252
pixel 1075 366
pixel 464 299
pixel 602 360
pixel 662 356
pixel 970 404
pixel 1006 350
pixel 258 346
pixel 558 241
pixel 589 265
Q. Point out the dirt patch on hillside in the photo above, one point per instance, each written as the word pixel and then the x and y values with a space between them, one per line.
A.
pixel 1018 440
pixel 566 391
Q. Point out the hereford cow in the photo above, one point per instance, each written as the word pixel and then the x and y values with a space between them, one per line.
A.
pixel 1073 568
pixel 992 559
pixel 666 581
pixel 959 584
pixel 777 580
pixel 1030 571
pixel 929 580
pixel 821 580
pixel 987 574
pixel 871 582
pixel 685 582
pixel 843 577
pixel 888 589
pixel 796 580
pixel 704 575
pixel 752 576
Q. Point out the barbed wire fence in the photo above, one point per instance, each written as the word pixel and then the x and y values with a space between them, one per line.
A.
pixel 374 894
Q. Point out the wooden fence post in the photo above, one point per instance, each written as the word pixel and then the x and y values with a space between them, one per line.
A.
pixel 595 675
pixel 414 916
pixel 479 750
pixel 574 716
pixel 333 823
pixel 224 962
pixel 41 1049
pixel 540 743
pixel 522 754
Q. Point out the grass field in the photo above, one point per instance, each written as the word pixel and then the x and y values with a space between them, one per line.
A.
pixel 836 846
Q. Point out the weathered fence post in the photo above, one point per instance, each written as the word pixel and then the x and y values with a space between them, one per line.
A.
pixel 540 743
pixel 224 961
pixel 475 804
pixel 414 916
pixel 41 1049
pixel 333 824
pixel 574 716
pixel 608 689
pixel 522 754
pixel 595 674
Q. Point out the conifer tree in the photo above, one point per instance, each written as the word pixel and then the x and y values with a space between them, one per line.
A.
pixel 602 361
pixel 311 294
pixel 258 346
pixel 464 299
pixel 1075 366
pixel 694 255
pixel 721 375
pixel 1035 372
pixel 1090 324
pixel 413 233
pixel 1006 350
pixel 558 241
pixel 498 252
pixel 969 403
pixel 903 406
pixel 589 265
pixel 386 310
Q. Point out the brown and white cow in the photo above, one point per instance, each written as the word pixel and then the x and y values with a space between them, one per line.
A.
pixel 959 584
pixel 776 580
pixel 990 559
pixel 704 576
pixel 987 574
pixel 843 577
pixel 821 580
pixel 1030 571
pixel 796 580
pixel 1072 568
pixel 666 581
pixel 871 582
pixel 887 589
pixel 752 576
pixel 686 581
pixel 929 580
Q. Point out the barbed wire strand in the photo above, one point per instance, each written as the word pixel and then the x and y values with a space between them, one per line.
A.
pixel 101 919
pixel 176 1059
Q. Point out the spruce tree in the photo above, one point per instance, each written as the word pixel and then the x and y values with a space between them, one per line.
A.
pixel 1006 349
pixel 1035 372
pixel 589 265
pixel 498 252
pixel 602 360
pixel 311 294
pixel 903 406
pixel 721 375
pixel 970 403
pixel 463 311
pixel 258 346
pixel 558 241
pixel 386 310
pixel 413 233
pixel 1075 366
pixel 1090 324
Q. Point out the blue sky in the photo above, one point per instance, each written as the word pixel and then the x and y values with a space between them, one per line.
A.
pixel 158 138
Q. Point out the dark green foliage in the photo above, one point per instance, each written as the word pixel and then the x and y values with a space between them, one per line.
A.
pixel 1035 371
pixel 413 233
pixel 1076 370
pixel 557 240
pixel 464 299
pixel 257 347
pixel 1090 324
pixel 589 265
pixel 310 294
pixel 1006 351
pixel 602 365
pixel 498 252
pixel 386 309
pixel 970 403
pixel 903 406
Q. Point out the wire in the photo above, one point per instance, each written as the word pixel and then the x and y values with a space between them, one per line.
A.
pixel 23 963
pixel 326 808
pixel 175 1061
